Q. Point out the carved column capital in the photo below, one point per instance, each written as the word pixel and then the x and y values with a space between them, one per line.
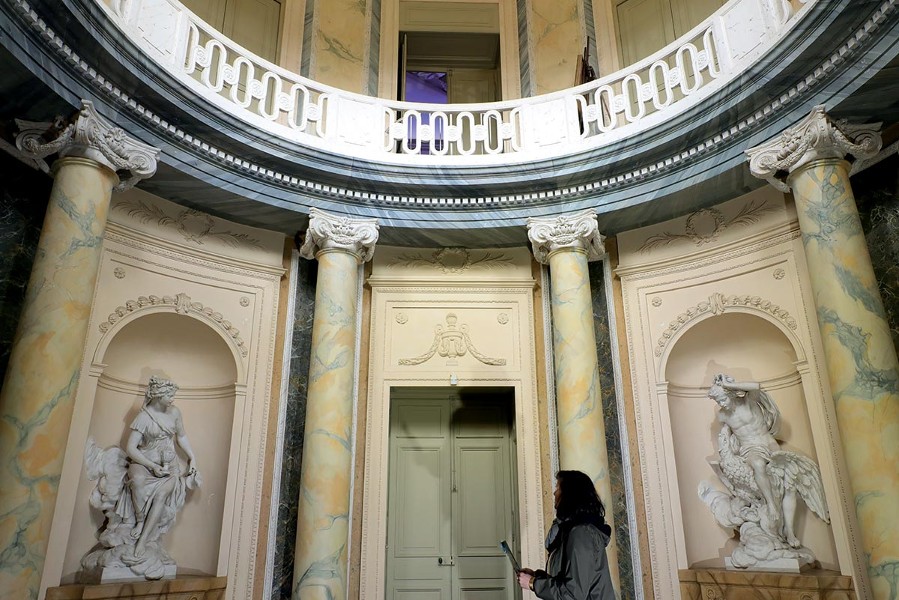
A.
pixel 90 136
pixel 815 137
pixel 578 231
pixel 327 232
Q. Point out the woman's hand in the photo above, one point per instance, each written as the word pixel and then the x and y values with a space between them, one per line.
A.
pixel 525 576
pixel 160 471
pixel 191 467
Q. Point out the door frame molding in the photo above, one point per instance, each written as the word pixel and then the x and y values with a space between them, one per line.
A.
pixel 509 68
pixel 498 302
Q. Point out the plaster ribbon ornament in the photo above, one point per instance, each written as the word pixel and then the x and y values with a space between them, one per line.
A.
pixel 89 136
pixel 763 481
pixel 140 490
pixel 815 137
pixel 452 341
pixel 576 231
pixel 328 232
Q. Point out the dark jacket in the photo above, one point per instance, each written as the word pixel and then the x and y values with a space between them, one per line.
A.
pixel 577 567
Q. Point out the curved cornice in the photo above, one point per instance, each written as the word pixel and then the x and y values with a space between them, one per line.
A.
pixel 212 161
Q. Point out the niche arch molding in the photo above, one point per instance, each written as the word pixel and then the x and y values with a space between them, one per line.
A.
pixel 718 304
pixel 180 304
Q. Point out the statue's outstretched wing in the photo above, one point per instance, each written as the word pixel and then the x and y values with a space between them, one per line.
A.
pixel 108 468
pixel 800 473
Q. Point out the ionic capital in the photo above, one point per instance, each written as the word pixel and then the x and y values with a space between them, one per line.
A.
pixel 815 137
pixel 327 232
pixel 578 231
pixel 89 136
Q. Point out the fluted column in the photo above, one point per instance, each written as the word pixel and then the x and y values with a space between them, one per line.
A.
pixel 38 393
pixel 567 243
pixel 861 359
pixel 320 564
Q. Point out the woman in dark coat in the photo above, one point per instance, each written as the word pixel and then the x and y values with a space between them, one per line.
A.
pixel 577 567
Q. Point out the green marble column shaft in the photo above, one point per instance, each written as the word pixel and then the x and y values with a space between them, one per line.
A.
pixel 39 391
pixel 320 563
pixel 861 359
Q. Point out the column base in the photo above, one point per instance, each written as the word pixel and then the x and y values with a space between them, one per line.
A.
pixel 721 584
pixel 200 588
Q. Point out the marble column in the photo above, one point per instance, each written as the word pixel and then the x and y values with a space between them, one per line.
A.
pixel 566 243
pixel 320 564
pixel 38 393
pixel 859 351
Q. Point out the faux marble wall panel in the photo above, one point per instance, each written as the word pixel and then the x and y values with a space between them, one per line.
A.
pixel 340 42
pixel 613 434
pixel 556 38
pixel 295 418
pixel 877 196
pixel 23 202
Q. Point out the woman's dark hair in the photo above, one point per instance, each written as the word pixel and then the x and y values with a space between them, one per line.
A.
pixel 579 499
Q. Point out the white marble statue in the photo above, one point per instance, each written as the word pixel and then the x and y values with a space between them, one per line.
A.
pixel 140 490
pixel 762 480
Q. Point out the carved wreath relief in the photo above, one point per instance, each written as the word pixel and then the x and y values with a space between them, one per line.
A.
pixel 452 341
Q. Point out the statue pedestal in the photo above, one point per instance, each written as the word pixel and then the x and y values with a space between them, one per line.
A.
pixel 124 574
pixel 779 565
pixel 720 584
pixel 199 588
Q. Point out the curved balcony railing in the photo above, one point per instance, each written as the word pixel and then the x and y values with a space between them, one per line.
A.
pixel 592 115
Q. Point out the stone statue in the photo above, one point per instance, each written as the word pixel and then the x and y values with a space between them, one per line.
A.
pixel 762 480
pixel 140 490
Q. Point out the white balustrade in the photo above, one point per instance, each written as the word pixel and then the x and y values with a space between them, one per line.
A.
pixel 296 108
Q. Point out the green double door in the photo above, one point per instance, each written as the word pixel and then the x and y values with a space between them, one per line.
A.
pixel 451 495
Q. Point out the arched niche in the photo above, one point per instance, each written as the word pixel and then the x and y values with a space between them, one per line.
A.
pixel 748 347
pixel 197 357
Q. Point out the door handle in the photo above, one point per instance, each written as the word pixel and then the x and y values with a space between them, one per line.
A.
pixel 445 563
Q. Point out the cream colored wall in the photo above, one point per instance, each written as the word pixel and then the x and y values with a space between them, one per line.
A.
pixel 556 36
pixel 724 289
pixel 195 298
pixel 412 292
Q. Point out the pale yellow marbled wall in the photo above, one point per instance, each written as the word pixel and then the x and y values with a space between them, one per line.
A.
pixel 339 42
pixel 556 39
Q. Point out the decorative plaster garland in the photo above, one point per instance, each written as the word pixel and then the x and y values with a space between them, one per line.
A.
pixel 182 305
pixel 717 304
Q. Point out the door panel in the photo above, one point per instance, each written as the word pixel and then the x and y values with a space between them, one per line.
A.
pixel 419 502
pixel 482 507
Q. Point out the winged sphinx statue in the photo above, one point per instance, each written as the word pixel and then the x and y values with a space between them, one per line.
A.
pixel 763 481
